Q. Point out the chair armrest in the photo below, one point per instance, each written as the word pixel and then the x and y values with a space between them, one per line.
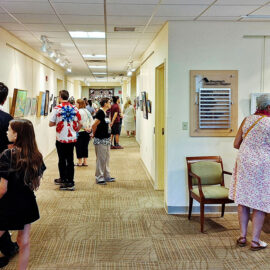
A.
pixel 199 183
pixel 225 172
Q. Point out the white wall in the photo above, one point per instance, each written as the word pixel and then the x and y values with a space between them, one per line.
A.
pixel 20 71
pixel 202 46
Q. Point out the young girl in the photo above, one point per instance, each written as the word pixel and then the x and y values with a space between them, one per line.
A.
pixel 21 169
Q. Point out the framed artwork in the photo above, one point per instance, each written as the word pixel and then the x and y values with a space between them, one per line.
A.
pixel 39 103
pixel 47 101
pixel 149 106
pixel 137 102
pixel 18 103
pixel 34 106
pixel 51 97
pixel 145 112
pixel 141 107
pixel 27 107
pixel 254 101
pixel 43 100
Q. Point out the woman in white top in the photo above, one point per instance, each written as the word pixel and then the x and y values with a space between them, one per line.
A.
pixel 83 134
pixel 129 117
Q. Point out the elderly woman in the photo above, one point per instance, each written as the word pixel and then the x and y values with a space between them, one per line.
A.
pixel 129 118
pixel 250 186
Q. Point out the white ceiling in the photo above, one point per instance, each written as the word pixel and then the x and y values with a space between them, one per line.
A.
pixel 30 19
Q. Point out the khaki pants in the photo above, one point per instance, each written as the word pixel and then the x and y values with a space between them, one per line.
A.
pixel 102 162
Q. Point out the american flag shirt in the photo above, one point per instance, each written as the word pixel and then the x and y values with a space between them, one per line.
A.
pixel 67 118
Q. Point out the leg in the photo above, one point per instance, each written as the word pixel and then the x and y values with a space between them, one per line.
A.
pixel 243 217
pixel 222 210
pixel 24 244
pixel 117 139
pixel 257 224
pixel 127 133
pixel 79 146
pixel 69 154
pixel 61 160
pixel 202 216
pixel 100 161
pixel 85 161
pixel 106 165
pixel 86 139
pixel 190 207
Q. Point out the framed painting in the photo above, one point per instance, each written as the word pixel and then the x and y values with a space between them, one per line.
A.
pixel 43 100
pixel 149 106
pixel 27 107
pixel 34 106
pixel 145 112
pixel 18 103
pixel 137 102
pixel 141 107
pixel 39 103
pixel 47 101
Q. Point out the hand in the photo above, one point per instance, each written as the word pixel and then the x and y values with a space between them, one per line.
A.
pixel 111 124
pixel 88 130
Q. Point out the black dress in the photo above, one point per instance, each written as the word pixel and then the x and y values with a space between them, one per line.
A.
pixel 18 206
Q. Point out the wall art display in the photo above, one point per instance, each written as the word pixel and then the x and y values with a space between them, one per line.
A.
pixel 18 103
pixel 34 106
pixel 100 93
pixel 254 101
pixel 39 103
pixel 149 106
pixel 47 101
pixel 51 97
pixel 43 100
pixel 137 102
pixel 27 107
pixel 145 112
pixel 141 106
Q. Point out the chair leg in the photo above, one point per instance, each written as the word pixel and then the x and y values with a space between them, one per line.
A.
pixel 190 207
pixel 202 216
pixel 222 210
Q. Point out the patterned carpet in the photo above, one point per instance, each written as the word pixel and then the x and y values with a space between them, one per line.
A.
pixel 123 226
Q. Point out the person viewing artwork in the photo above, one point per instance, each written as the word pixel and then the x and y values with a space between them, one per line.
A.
pixel 250 185
pixel 129 118
pixel 83 134
pixel 21 169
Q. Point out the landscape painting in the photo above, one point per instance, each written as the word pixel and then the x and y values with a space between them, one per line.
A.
pixel 18 103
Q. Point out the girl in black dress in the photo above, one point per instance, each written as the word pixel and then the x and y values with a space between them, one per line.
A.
pixel 21 169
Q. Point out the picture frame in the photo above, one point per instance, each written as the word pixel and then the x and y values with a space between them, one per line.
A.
pixel 27 107
pixel 141 107
pixel 149 106
pixel 137 102
pixel 254 101
pixel 43 100
pixel 47 101
pixel 34 106
pixel 18 103
pixel 145 111
pixel 39 103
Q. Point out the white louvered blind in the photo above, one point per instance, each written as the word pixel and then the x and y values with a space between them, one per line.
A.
pixel 215 108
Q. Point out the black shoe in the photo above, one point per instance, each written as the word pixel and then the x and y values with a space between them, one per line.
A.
pixel 67 186
pixel 112 179
pixel 4 261
pixel 58 181
pixel 101 182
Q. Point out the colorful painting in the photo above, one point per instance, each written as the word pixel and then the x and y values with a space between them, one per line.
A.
pixel 47 101
pixel 34 106
pixel 145 112
pixel 149 106
pixel 18 103
pixel 138 102
pixel 27 107
pixel 43 101
pixel 39 103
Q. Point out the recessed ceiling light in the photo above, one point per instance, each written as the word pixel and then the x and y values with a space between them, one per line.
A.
pixel 94 55
pixel 81 34
pixel 97 66
pixel 99 73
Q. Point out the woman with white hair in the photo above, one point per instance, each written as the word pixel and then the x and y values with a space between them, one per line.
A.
pixel 129 118
pixel 250 185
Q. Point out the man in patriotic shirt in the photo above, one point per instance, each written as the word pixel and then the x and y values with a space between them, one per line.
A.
pixel 67 120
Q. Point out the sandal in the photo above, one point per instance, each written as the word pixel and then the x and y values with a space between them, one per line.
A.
pixel 241 241
pixel 259 245
pixel 84 165
pixel 79 165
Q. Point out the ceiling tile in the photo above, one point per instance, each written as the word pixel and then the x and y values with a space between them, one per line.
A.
pixel 86 27
pixel 262 11
pixel 45 27
pixel 79 1
pixel 130 10
pixel 79 9
pixel 132 2
pixel 130 35
pixel 187 2
pixel 12 26
pixel 229 10
pixel 220 18
pixel 25 7
pixel 37 18
pixel 79 19
pixel 162 20
pixel 126 20
pixel 241 2
pixel 180 10
pixel 5 18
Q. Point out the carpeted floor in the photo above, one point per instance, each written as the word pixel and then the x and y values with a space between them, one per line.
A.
pixel 123 226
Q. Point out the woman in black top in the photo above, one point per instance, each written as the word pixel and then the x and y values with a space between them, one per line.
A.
pixel 21 169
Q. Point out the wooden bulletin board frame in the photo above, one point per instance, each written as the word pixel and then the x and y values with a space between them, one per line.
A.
pixel 230 77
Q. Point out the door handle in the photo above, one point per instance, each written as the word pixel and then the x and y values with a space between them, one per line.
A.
pixel 162 131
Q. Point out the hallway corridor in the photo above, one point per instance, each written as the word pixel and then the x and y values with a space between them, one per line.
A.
pixel 123 226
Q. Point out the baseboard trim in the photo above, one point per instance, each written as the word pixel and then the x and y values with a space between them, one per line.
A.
pixel 196 209
pixel 148 174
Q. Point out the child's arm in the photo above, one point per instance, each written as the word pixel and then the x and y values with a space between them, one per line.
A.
pixel 3 187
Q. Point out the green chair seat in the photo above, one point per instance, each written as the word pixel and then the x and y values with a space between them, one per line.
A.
pixel 213 192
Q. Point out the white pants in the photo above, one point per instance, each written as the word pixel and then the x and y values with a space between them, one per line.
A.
pixel 102 162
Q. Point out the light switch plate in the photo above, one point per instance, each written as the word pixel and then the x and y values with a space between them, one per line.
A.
pixel 184 125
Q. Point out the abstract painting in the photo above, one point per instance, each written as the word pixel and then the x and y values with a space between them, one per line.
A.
pixel 47 100
pixel 27 106
pixel 39 103
pixel 43 100
pixel 34 106
pixel 18 103
pixel 149 106
pixel 145 112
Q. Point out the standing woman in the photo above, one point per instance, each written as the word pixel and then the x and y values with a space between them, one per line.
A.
pixel 129 118
pixel 21 169
pixel 83 134
pixel 250 185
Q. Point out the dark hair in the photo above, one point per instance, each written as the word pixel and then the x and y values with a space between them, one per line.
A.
pixel 104 101
pixel 64 94
pixel 90 102
pixel 81 103
pixel 115 98
pixel 3 93
pixel 26 156
pixel 71 100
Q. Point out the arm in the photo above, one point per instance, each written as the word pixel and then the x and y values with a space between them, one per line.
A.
pixel 51 124
pixel 3 187
pixel 114 117
pixel 94 126
pixel 238 138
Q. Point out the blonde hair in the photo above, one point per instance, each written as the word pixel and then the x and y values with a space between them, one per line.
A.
pixel 81 103
pixel 128 102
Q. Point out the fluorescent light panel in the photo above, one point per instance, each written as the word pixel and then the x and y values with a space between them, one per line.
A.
pixel 82 34
pixel 94 56
pixel 99 73
pixel 97 67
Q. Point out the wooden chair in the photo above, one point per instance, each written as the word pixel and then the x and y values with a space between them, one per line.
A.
pixel 206 183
